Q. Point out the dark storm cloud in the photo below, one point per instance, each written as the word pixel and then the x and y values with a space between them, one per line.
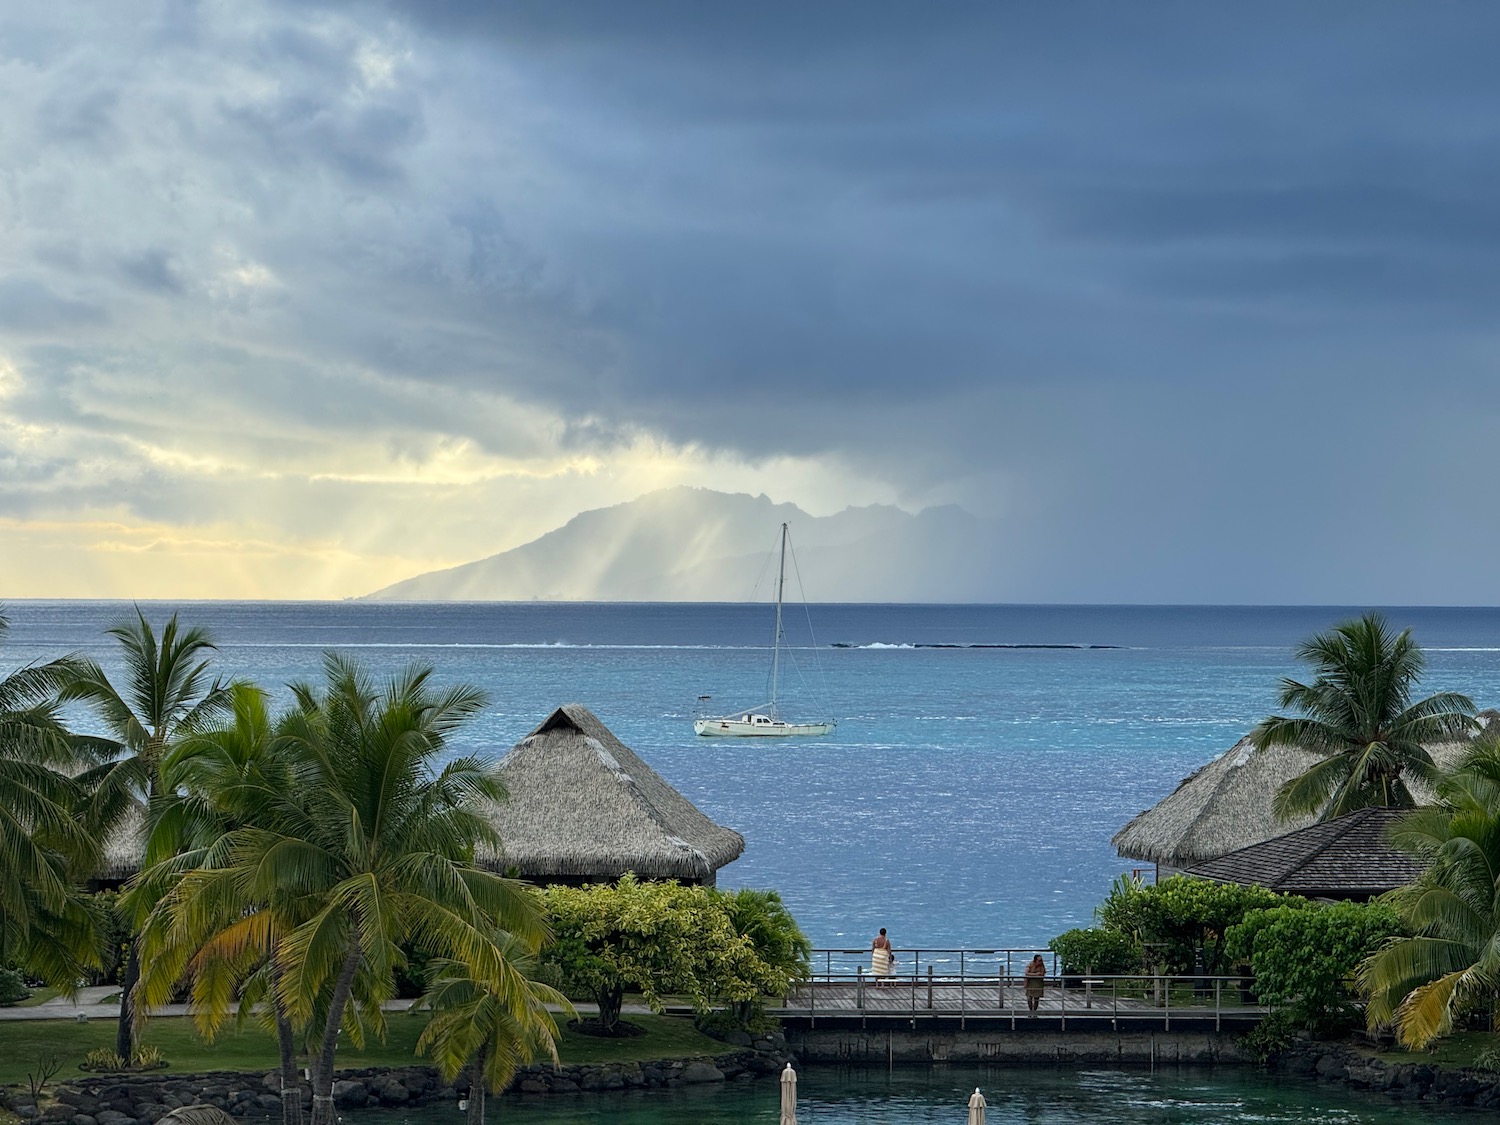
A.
pixel 853 200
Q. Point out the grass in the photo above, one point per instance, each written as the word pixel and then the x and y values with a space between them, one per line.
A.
pixel 24 1042
pixel 1458 1049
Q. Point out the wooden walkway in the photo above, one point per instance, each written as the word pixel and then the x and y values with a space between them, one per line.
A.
pixel 971 999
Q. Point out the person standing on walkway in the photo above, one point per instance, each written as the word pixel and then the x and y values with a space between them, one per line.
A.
pixel 1036 981
pixel 882 960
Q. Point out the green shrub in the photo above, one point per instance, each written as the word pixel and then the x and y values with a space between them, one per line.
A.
pixel 12 987
pixel 1096 951
pixel 1304 959
pixel 1179 918
pixel 103 1058
pixel 1270 1037
pixel 148 1058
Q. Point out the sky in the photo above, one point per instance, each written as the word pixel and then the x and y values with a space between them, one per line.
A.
pixel 1195 303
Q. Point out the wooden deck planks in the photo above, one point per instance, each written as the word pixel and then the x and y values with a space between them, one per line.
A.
pixel 897 998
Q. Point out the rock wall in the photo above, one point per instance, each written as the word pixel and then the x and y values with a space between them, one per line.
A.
pixel 141 1099
pixel 1348 1065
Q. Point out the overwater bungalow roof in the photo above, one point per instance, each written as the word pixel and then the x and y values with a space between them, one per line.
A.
pixel 584 807
pixel 1226 804
pixel 1349 857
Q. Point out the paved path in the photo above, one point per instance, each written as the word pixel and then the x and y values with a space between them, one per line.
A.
pixel 90 1004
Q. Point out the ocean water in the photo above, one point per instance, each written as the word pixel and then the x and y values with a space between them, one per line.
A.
pixel 939 1096
pixel 969 793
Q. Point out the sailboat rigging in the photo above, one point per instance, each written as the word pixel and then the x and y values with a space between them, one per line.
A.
pixel 767 722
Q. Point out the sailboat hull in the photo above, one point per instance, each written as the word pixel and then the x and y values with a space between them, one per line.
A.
pixel 759 726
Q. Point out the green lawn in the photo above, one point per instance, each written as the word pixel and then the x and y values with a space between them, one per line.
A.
pixel 1459 1049
pixel 24 1042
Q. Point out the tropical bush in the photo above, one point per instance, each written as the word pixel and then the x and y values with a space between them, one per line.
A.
pixel 1096 951
pixel 1178 919
pixel 12 987
pixel 102 1058
pixel 1304 959
pixel 660 938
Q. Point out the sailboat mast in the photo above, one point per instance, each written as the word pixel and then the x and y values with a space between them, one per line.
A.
pixel 776 642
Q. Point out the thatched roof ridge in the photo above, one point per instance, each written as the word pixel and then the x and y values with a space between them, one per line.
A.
pixel 1349 857
pixel 125 847
pixel 583 805
pixel 1226 804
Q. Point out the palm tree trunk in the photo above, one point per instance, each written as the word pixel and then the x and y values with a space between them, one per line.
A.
pixel 476 1086
pixel 322 1105
pixel 291 1090
pixel 125 1028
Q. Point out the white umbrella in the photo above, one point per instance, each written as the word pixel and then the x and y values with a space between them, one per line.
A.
pixel 788 1096
pixel 976 1108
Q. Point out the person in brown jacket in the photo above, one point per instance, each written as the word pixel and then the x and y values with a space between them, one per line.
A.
pixel 1036 980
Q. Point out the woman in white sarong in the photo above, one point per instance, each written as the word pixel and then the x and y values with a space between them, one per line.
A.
pixel 882 961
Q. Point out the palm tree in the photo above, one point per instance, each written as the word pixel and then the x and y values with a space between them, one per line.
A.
pixel 474 1029
pixel 1451 963
pixel 762 919
pixel 369 846
pixel 167 694
pixel 198 927
pixel 1357 715
pixel 43 847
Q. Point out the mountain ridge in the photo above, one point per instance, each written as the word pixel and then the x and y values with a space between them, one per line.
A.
pixel 695 544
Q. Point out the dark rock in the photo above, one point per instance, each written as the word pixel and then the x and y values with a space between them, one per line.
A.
pixel 269 1102
pixel 533 1086
pixel 83 1119
pixel 58 1113
pixel 1332 1068
pixel 738 1038
pixel 564 1086
pixel 1455 1085
pixel 151 1111
pixel 697 1072
pixel 349 1095
pixel 27 1111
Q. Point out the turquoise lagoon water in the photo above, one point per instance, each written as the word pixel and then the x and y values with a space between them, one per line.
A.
pixel 968 796
pixel 939 1096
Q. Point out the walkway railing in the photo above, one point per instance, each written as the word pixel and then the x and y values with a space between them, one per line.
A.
pixel 947 983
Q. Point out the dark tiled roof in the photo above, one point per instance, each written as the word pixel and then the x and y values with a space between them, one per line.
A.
pixel 1349 857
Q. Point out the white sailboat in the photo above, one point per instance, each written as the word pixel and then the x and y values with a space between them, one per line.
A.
pixel 765 722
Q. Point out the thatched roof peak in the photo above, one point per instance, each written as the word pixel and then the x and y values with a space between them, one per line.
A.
pixel 584 806
pixel 1226 805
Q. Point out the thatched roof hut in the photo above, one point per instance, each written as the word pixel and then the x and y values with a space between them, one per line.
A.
pixel 584 808
pixel 1226 805
pixel 1349 857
